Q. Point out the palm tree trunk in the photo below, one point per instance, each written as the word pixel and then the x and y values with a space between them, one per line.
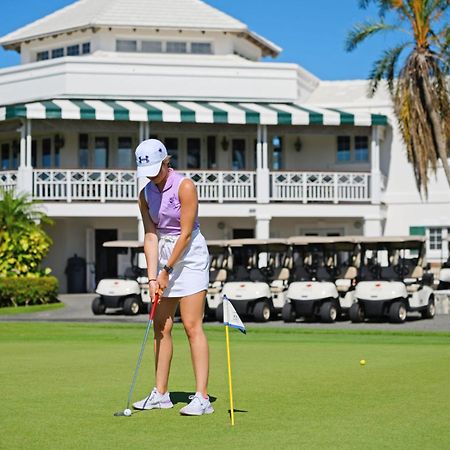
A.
pixel 437 128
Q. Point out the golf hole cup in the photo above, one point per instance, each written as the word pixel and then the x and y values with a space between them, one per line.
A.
pixel 362 362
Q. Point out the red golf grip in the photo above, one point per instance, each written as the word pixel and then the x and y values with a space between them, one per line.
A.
pixel 155 302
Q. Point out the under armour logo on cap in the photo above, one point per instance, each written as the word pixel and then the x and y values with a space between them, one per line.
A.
pixel 149 156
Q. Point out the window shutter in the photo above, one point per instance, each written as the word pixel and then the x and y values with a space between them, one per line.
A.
pixel 417 231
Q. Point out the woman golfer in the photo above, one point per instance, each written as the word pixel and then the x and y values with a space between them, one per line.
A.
pixel 177 265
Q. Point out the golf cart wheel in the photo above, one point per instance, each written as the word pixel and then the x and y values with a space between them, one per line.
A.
pixel 132 306
pixel 430 311
pixel 328 312
pixel 98 306
pixel 261 312
pixel 397 312
pixel 219 313
pixel 356 313
pixel 288 313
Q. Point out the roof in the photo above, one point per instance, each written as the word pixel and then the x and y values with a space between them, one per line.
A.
pixel 189 111
pixel 315 240
pixel 164 14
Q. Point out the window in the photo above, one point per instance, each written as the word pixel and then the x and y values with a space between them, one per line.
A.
pixel 5 156
pixel 203 48
pixel 176 47
pixel 73 50
pixel 172 149
pixel 435 238
pixel 361 148
pixel 126 46
pixel 101 153
pixel 193 153
pixel 34 152
pixel 83 151
pixel 125 153
pixel 211 152
pixel 151 46
pixel 57 53
pixel 343 148
pixel 46 153
pixel 15 155
pixel 41 56
pixel 277 153
pixel 238 161
pixel 86 47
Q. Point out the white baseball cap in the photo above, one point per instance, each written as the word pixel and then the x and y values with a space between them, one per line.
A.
pixel 149 156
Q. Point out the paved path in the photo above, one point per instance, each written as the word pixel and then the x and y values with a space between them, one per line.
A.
pixel 78 309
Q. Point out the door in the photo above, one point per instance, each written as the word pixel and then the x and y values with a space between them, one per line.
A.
pixel 238 154
pixel 243 233
pixel 105 258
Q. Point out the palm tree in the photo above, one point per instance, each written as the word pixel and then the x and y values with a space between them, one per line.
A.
pixel 18 213
pixel 419 87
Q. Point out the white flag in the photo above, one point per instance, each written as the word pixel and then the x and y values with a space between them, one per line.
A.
pixel 231 317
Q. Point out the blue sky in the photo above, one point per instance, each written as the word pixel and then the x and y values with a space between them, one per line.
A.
pixel 311 33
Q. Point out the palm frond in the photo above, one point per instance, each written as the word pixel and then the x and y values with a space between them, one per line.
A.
pixel 385 68
pixel 361 31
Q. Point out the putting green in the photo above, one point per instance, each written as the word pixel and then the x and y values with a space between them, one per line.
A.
pixel 293 388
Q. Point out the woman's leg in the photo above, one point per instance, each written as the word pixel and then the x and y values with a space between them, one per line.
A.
pixel 192 308
pixel 162 324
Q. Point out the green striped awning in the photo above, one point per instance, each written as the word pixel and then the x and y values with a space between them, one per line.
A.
pixel 190 111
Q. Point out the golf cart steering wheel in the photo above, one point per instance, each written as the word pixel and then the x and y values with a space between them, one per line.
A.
pixel 401 270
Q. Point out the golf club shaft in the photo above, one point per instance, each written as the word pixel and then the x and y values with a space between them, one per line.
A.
pixel 144 342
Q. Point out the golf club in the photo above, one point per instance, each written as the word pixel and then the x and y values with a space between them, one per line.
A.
pixel 127 411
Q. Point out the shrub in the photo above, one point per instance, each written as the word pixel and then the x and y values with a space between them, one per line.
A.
pixel 20 291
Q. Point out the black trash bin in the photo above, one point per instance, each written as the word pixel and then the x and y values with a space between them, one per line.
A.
pixel 76 275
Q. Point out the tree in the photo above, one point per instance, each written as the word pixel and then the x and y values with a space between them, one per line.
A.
pixel 418 81
pixel 23 242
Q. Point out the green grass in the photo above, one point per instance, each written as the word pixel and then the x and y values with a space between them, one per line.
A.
pixel 9 310
pixel 296 389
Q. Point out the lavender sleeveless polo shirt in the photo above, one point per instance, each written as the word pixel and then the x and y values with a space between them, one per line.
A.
pixel 164 207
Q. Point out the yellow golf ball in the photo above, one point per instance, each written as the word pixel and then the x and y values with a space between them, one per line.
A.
pixel 362 362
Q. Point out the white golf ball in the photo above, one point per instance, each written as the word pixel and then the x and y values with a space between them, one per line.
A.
pixel 127 412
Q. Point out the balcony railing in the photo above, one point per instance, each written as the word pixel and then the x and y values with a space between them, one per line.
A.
pixel 8 179
pixel 213 186
pixel 328 187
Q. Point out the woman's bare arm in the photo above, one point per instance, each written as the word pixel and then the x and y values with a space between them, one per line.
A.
pixel 150 238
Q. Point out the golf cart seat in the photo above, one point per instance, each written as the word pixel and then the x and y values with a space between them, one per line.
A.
pixel 413 281
pixel 344 284
pixel 280 279
pixel 217 275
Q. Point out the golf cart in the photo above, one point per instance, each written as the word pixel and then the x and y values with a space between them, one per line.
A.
pixel 259 278
pixel 323 279
pixel 393 280
pixel 129 292
pixel 444 273
pixel 220 263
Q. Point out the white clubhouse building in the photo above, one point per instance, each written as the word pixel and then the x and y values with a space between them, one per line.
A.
pixel 273 150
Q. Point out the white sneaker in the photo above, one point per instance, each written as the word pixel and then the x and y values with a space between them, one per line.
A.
pixel 198 406
pixel 154 400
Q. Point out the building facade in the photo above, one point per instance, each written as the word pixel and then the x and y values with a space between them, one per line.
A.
pixel 273 150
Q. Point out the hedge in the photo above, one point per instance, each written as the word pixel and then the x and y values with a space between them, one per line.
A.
pixel 20 291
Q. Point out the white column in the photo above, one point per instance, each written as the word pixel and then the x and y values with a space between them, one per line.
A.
pixel 372 226
pixel 262 170
pixel 375 173
pixel 263 226
pixel 25 170
pixel 258 147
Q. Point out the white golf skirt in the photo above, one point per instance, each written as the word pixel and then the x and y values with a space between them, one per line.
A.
pixel 191 272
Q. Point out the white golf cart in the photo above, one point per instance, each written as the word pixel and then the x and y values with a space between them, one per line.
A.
pixel 442 292
pixel 323 279
pixel 392 279
pixel 129 292
pixel 220 264
pixel 259 279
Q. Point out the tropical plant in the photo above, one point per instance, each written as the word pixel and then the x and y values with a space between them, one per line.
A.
pixel 417 81
pixel 23 242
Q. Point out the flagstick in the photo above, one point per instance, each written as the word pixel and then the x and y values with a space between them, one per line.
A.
pixel 229 374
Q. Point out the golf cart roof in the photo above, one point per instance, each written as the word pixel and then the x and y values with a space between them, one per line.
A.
pixel 217 243
pixel 314 240
pixel 124 244
pixel 273 244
